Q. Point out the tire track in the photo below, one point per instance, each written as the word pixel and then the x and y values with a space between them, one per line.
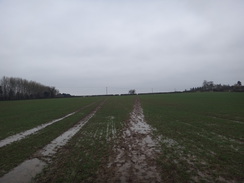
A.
pixel 134 156
pixel 27 170
pixel 26 133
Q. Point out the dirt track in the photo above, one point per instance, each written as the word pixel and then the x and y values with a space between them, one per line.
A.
pixel 134 156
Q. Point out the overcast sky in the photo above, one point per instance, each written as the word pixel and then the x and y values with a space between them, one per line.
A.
pixel 83 46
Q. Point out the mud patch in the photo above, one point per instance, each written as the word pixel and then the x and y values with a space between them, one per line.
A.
pixel 134 156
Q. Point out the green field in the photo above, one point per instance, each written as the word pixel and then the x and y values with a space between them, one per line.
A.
pixel 18 116
pixel 201 135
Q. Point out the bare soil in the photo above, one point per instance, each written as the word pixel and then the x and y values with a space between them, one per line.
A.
pixel 133 158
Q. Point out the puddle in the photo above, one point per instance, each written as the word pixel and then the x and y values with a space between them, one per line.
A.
pixel 134 157
pixel 26 171
pixel 22 135
pixel 51 148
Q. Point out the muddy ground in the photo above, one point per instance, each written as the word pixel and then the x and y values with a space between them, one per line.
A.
pixel 133 158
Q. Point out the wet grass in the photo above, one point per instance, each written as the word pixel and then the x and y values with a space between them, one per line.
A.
pixel 202 135
pixel 18 116
pixel 80 159
pixel 15 153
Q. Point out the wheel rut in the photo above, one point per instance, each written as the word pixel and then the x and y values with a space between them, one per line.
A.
pixel 26 133
pixel 27 170
pixel 134 156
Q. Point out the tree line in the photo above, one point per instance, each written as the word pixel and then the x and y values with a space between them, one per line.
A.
pixel 210 86
pixel 12 88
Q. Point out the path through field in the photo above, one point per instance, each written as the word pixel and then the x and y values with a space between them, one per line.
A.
pixel 30 168
pixel 134 156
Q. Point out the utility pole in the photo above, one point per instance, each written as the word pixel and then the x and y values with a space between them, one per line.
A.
pixel 106 90
pixel 152 90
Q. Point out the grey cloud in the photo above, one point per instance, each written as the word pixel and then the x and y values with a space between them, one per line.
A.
pixel 81 46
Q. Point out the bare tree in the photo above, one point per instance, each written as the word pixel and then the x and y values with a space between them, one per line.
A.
pixel 132 92
pixel 208 85
pixel 17 88
pixel 1 92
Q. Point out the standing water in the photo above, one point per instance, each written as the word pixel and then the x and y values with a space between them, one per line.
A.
pixel 22 135
pixel 134 157
pixel 27 170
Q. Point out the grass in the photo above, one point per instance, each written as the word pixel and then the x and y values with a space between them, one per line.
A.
pixel 18 116
pixel 15 153
pixel 82 157
pixel 202 135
